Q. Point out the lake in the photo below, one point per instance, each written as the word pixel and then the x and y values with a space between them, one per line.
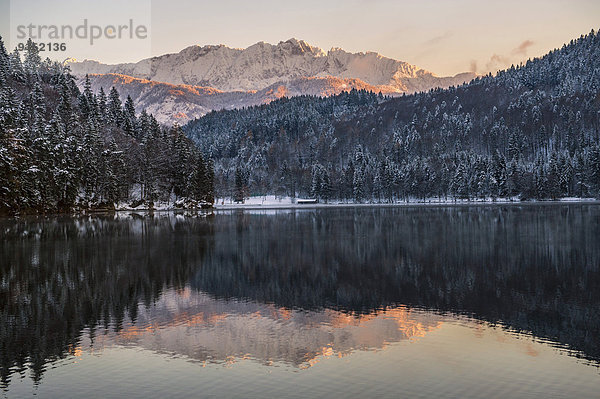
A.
pixel 467 301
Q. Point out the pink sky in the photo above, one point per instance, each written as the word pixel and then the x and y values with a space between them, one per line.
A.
pixel 445 37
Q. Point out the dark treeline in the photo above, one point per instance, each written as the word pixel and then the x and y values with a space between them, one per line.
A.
pixel 531 131
pixel 62 148
pixel 94 273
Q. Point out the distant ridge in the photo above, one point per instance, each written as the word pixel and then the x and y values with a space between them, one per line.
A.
pixel 180 103
pixel 294 65
pixel 263 64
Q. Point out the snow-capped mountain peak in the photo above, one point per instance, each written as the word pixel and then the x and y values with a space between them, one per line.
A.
pixel 198 79
pixel 262 65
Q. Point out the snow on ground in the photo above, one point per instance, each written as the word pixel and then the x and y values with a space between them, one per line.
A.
pixel 576 199
pixel 275 202
pixel 261 200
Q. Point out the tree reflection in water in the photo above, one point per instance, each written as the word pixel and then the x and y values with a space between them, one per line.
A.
pixel 530 268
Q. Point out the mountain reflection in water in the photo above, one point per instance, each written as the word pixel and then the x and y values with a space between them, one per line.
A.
pixel 293 287
pixel 192 324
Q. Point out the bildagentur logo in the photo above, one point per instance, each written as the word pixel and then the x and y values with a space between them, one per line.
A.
pixel 86 31
pixel 109 31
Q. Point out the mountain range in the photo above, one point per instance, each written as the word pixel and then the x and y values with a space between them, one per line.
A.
pixel 198 79
pixel 531 131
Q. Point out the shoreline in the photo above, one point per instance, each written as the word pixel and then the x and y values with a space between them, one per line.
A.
pixel 295 206
pixel 233 207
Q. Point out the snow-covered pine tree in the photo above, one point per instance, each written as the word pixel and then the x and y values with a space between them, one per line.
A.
pixel 32 61
pixel 115 111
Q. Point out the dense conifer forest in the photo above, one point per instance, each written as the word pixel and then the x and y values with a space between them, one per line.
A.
pixel 63 149
pixel 530 132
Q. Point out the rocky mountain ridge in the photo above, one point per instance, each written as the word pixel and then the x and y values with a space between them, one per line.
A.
pixel 216 77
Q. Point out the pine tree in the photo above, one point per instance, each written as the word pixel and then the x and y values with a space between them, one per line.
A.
pixel 4 64
pixel 484 183
pixel 513 181
pixel 87 101
pixel 326 188
pixel 347 184
pixel 112 178
pixel 553 178
pixel 61 165
pixel 358 185
pixel 32 57
pixel 286 180
pixel 87 88
pixel 580 175
pixel 539 180
pixel 115 112
pixel 129 119
pixel 565 171
pixel 199 183
pixel 17 72
pixel 377 186
pixel 102 106
pixel 145 125
pixel 12 152
pixel 499 175
pixel 182 159
pixel 209 191
pixel 37 111
pixel 240 185
pixel 459 183
pixel 92 160
pixel 315 187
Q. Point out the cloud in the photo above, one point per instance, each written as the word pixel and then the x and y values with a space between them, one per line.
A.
pixel 500 61
pixel 437 39
pixel 473 66
pixel 497 62
pixel 429 45
pixel 521 49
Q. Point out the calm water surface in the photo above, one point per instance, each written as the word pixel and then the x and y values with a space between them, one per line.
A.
pixel 492 301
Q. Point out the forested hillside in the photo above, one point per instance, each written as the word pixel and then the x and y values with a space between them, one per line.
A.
pixel 62 149
pixel 532 131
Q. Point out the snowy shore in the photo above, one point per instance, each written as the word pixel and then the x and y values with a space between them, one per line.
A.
pixel 273 202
